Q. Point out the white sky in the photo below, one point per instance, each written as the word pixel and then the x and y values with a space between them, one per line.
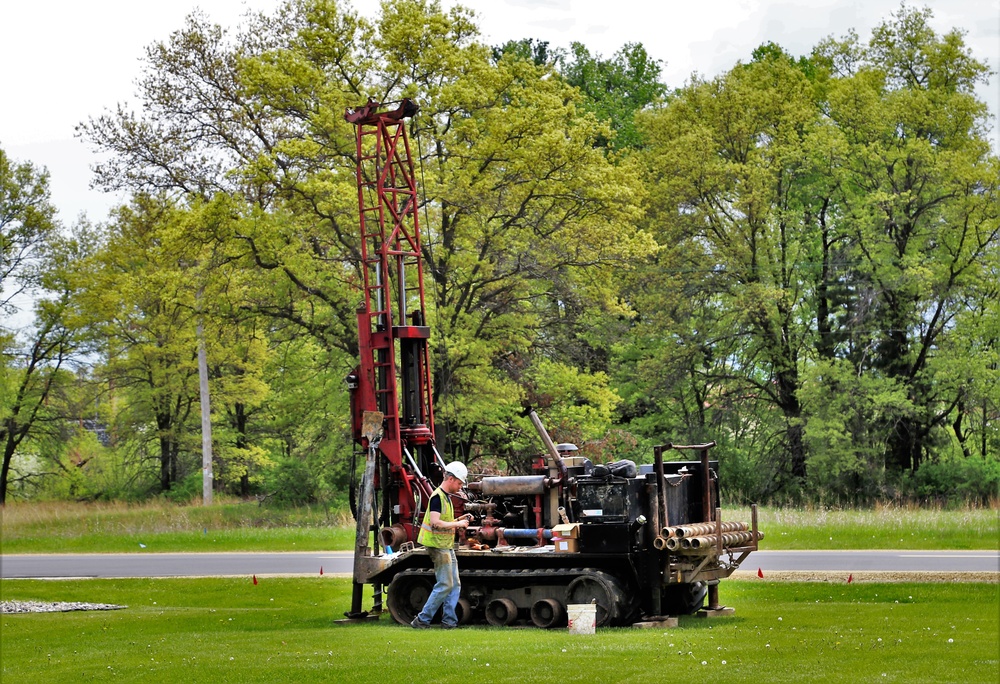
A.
pixel 62 61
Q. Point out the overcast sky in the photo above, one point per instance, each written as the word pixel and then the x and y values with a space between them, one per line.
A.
pixel 66 60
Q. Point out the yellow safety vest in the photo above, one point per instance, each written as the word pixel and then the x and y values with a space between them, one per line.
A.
pixel 443 539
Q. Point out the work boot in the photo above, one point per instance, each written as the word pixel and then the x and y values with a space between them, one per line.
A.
pixel 417 624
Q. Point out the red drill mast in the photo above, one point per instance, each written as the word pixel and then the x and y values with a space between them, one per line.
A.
pixel 393 377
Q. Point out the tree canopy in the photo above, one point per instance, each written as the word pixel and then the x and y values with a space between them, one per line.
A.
pixel 797 258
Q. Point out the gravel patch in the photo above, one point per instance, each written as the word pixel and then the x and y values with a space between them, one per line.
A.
pixel 56 607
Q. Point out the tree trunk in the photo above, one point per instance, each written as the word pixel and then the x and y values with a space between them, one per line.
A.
pixel 903 445
pixel 206 417
pixel 960 433
pixel 788 402
pixel 825 347
pixel 163 424
pixel 240 424
pixel 8 456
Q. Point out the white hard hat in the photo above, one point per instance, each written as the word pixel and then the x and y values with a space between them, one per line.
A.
pixel 457 469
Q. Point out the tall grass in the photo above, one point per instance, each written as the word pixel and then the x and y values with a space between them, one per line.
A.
pixel 881 527
pixel 165 526
pixel 63 517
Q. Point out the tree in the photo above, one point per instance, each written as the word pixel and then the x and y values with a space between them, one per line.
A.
pixel 615 89
pixel 919 196
pixel 732 162
pixel 835 219
pixel 141 304
pixel 33 262
pixel 536 51
pixel 27 222
pixel 521 207
pixel 148 288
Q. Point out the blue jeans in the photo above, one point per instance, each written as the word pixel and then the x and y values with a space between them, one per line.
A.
pixel 447 587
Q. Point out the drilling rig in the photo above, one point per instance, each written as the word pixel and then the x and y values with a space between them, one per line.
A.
pixel 641 541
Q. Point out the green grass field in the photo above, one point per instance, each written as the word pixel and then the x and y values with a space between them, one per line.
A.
pixel 281 630
pixel 62 527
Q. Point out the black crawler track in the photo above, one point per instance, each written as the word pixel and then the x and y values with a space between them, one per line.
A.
pixel 507 597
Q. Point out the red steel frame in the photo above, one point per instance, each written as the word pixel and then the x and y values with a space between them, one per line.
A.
pixel 391 250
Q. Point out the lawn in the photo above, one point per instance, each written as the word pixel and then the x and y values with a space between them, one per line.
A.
pixel 282 629
pixel 64 527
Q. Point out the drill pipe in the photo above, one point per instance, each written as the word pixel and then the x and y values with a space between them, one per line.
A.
pixel 703 529
pixel 728 539
pixel 695 543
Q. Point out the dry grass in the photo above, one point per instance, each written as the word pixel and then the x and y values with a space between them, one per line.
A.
pixel 117 526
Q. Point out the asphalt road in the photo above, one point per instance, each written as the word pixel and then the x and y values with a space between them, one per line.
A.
pixel 339 562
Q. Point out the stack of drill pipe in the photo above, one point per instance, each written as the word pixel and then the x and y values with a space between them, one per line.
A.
pixel 701 529
pixel 670 537
pixel 709 542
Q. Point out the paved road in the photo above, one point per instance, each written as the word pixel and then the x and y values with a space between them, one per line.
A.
pixel 174 564
pixel 339 562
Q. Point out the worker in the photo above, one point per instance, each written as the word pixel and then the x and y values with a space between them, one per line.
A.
pixel 437 534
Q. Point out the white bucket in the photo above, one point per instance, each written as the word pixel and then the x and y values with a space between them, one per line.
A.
pixel 582 618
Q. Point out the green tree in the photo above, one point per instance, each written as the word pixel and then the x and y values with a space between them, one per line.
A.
pixel 919 197
pixel 27 222
pixel 34 263
pixel 833 221
pixel 733 165
pixel 615 89
pixel 521 208
pixel 148 287
pixel 141 304
pixel 536 51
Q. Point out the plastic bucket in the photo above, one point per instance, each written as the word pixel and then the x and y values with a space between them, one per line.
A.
pixel 582 618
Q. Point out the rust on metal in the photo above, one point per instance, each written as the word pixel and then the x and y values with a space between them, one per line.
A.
pixel 369 113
